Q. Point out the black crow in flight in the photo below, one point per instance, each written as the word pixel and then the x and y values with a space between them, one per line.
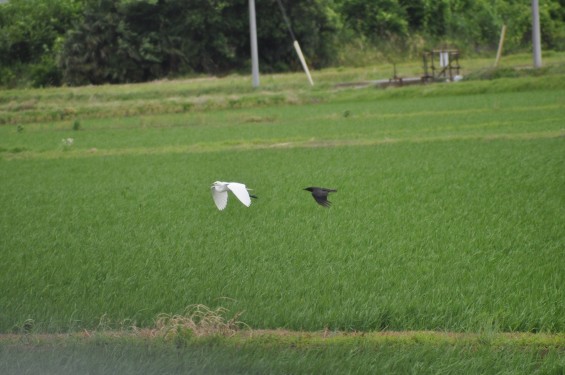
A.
pixel 320 194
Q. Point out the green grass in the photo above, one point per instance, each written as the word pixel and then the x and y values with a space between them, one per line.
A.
pixel 361 117
pixel 19 107
pixel 458 236
pixel 449 216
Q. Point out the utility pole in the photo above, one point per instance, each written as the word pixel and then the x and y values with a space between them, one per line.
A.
pixel 536 35
pixel 254 53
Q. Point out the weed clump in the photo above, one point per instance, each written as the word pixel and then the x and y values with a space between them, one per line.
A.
pixel 198 321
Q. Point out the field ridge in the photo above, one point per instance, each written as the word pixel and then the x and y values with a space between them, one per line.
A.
pixel 273 144
pixel 289 337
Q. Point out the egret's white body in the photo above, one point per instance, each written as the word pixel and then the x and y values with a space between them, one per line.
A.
pixel 220 193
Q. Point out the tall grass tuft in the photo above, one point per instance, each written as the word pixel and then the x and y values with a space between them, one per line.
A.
pixel 198 321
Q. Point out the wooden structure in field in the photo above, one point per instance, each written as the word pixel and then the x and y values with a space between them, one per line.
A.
pixel 447 66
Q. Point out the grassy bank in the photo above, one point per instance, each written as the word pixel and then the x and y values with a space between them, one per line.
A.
pixel 68 105
pixel 284 352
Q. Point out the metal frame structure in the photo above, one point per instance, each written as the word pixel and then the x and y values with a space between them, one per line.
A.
pixel 448 64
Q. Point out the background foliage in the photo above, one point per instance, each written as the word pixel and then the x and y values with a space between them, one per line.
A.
pixel 75 42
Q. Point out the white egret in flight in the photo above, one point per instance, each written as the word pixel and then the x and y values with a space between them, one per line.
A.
pixel 220 193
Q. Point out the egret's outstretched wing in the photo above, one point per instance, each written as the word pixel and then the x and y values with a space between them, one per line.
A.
pixel 220 198
pixel 240 192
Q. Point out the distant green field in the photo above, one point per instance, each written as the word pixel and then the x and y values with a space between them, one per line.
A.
pixel 449 215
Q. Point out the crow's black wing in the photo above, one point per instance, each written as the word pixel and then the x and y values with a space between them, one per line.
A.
pixel 321 196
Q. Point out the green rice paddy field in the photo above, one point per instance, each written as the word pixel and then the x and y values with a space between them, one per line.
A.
pixel 449 217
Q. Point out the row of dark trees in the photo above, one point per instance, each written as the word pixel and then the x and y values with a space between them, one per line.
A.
pixel 75 42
